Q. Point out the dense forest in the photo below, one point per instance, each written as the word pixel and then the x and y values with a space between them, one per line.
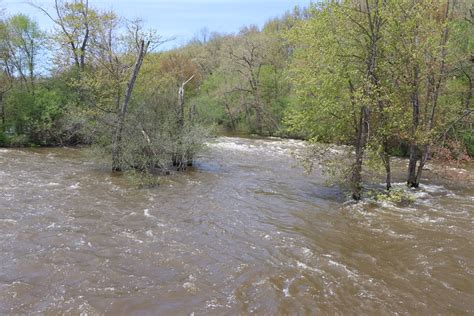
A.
pixel 389 78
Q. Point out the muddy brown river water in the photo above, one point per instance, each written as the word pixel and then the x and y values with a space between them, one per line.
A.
pixel 245 232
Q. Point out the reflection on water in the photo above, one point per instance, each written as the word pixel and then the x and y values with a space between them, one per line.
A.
pixel 245 232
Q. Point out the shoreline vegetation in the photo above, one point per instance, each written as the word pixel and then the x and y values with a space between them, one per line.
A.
pixel 386 78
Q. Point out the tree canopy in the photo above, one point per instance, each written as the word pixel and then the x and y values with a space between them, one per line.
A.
pixel 385 77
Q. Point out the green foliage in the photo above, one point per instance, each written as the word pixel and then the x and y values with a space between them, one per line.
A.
pixel 320 77
pixel 3 138
pixel 309 74
pixel 399 195
pixel 343 62
pixel 25 41
pixel 19 141
pixel 33 116
pixel 468 137
pixel 210 105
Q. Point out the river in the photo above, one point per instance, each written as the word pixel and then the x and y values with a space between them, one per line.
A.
pixel 246 231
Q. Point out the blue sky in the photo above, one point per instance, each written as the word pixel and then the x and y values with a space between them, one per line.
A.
pixel 178 18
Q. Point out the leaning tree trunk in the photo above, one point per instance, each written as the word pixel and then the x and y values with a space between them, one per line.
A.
pixel 424 159
pixel 117 140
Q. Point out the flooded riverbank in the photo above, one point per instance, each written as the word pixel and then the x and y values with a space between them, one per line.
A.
pixel 246 231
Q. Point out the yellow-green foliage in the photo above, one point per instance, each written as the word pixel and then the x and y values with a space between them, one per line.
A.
pixel 395 195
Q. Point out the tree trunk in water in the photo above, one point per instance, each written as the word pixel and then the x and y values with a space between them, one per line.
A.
pixel 117 140
pixel 411 182
pixel 388 169
pixel 424 159
pixel 415 101
pixel 3 112
pixel 258 119
pixel 435 87
pixel 363 133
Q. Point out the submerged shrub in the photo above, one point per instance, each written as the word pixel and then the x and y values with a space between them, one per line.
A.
pixel 400 195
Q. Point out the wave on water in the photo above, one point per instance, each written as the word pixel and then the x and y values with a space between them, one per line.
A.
pixel 267 146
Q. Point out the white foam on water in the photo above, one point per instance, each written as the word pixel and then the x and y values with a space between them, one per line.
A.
pixel 213 303
pixel 307 252
pixel 75 186
pixel 431 188
pixel 8 221
pixel 231 146
pixel 420 194
pixel 351 274
pixel 394 234
pixel 427 219
pixel 193 181
pixel 279 147
pixel 302 265
pixel 146 213
pixel 261 282
pixel 286 289
pixel 79 242
pixel 132 237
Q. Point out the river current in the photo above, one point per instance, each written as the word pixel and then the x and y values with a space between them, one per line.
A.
pixel 245 231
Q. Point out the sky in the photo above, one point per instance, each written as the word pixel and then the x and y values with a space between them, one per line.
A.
pixel 181 19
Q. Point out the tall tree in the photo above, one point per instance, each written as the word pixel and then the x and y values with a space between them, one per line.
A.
pixel 116 143
pixel 425 63
pixel 341 72
pixel 75 21
pixel 24 44
pixel 6 79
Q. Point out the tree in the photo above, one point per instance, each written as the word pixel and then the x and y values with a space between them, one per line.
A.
pixel 24 45
pixel 6 80
pixel 111 54
pixel 339 73
pixel 422 67
pixel 76 22
pixel 116 143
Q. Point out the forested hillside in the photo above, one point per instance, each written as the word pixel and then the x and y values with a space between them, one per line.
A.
pixel 386 77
